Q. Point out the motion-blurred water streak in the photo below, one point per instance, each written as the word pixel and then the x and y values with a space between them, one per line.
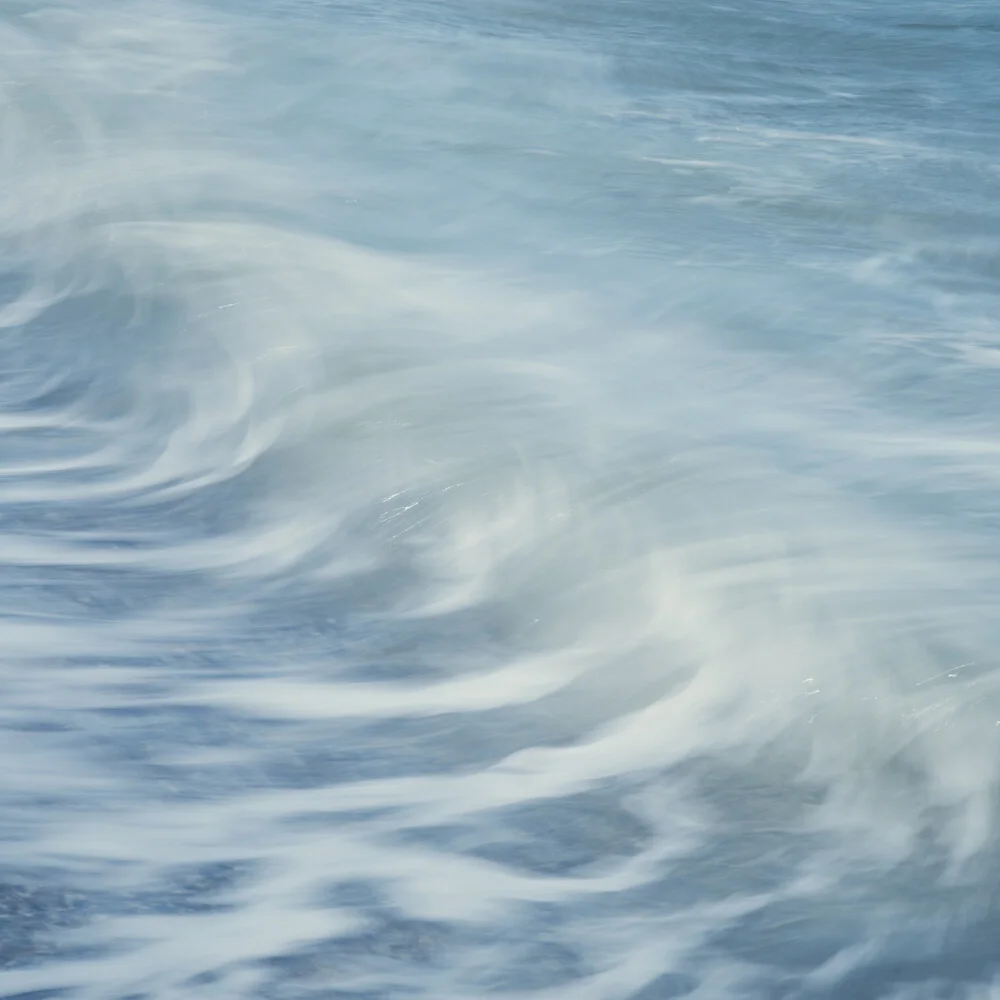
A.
pixel 499 499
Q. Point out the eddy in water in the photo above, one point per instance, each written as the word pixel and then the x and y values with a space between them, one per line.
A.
pixel 499 500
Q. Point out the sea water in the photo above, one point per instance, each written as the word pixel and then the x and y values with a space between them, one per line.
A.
pixel 499 499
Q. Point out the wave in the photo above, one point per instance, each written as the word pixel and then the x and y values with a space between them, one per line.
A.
pixel 407 594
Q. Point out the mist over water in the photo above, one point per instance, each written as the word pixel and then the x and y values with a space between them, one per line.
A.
pixel 499 500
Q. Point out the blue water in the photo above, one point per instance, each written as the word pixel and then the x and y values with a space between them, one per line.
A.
pixel 499 499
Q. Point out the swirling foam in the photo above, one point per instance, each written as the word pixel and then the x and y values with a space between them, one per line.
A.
pixel 455 620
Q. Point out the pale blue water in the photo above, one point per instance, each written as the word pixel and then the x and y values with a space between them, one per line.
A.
pixel 499 499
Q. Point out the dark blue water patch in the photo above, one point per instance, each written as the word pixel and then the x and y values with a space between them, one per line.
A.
pixel 38 995
pixel 35 914
pixel 945 26
pixel 131 740
pixel 134 522
pixel 343 751
pixel 14 283
pixel 296 991
pixel 404 952
pixel 327 819
pixel 79 594
pixel 29 725
pixel 350 625
pixel 209 978
pixel 791 935
pixel 669 986
pixel 188 890
pixel 925 929
pixel 881 983
pixel 89 344
pixel 935 945
pixel 538 966
pixel 770 49
pixel 27 390
pixel 163 727
pixel 315 754
pixel 211 878
pixel 756 844
pixel 390 944
pixel 563 836
pixel 31 915
pixel 964 267
pixel 355 895
pixel 736 862
pixel 55 447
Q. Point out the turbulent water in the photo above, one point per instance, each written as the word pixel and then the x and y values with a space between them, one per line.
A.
pixel 499 499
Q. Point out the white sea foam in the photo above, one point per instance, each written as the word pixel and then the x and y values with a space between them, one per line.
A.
pixel 435 569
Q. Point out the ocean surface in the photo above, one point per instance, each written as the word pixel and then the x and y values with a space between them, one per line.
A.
pixel 499 499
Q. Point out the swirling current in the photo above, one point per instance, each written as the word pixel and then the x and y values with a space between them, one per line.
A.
pixel 499 499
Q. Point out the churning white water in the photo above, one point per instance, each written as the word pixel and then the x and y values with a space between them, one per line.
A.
pixel 499 499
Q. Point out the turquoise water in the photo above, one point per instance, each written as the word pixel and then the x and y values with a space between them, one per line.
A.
pixel 499 500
